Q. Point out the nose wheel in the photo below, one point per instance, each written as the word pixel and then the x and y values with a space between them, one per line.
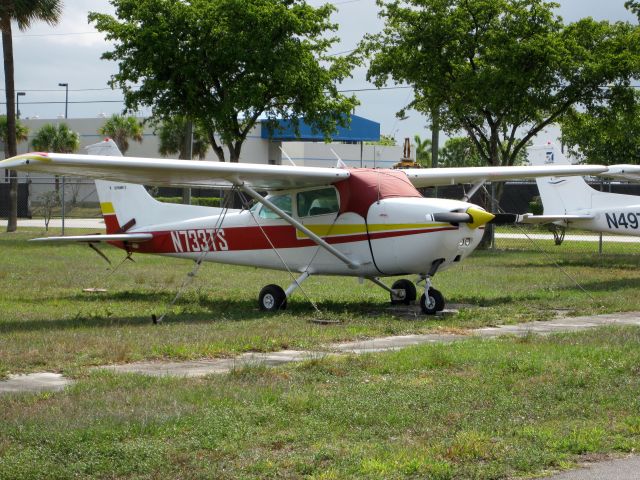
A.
pixel 432 301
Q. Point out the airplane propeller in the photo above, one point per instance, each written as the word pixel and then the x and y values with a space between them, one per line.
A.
pixel 475 217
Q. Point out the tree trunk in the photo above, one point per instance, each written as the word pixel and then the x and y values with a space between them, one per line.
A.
pixel 11 145
pixel 188 155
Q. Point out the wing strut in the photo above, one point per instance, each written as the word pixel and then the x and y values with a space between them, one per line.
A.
pixel 299 226
pixel 475 187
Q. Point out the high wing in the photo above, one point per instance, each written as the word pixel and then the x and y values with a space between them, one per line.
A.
pixel 178 173
pixel 624 172
pixel 193 173
pixel 431 177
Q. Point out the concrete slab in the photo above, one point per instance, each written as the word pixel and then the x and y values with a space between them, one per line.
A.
pixel 34 382
pixel 198 368
pixel 206 367
pixel 618 469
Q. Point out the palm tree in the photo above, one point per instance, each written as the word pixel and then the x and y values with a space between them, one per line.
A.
pixel 172 139
pixel 120 129
pixel 24 13
pixel 22 131
pixel 173 135
pixel 423 151
pixel 59 139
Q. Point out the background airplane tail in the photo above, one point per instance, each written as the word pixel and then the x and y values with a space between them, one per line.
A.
pixel 560 195
pixel 565 195
pixel 127 206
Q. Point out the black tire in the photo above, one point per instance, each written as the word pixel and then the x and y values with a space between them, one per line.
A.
pixel 272 298
pixel 409 288
pixel 433 304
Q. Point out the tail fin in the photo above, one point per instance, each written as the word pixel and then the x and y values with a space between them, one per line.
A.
pixel 127 206
pixel 561 196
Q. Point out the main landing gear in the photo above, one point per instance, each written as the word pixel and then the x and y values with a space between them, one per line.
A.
pixel 273 298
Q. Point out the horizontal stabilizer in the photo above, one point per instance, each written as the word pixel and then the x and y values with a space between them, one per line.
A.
pixel 530 219
pixel 123 237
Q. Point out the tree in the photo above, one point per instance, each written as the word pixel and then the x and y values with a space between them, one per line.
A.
pixel 499 70
pixel 174 133
pixel 605 133
pixel 385 140
pixel 423 151
pixel 56 138
pixel 172 138
pixel 226 63
pixel 459 152
pixel 120 129
pixel 24 13
pixel 22 131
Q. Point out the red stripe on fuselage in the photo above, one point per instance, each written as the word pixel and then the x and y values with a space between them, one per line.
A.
pixel 251 238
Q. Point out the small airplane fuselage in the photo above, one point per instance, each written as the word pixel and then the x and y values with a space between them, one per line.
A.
pixel 398 236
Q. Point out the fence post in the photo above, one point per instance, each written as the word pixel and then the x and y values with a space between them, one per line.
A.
pixel 63 205
pixel 494 208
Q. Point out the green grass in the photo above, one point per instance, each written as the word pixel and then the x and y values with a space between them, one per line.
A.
pixel 481 409
pixel 475 409
pixel 48 323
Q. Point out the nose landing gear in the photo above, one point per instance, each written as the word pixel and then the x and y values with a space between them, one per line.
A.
pixel 431 301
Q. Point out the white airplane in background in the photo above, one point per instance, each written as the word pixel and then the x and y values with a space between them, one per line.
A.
pixel 570 201
pixel 367 223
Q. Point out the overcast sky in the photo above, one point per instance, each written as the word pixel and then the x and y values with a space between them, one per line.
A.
pixel 70 53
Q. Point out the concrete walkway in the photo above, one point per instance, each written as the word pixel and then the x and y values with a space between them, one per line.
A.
pixel 34 383
pixel 618 469
pixel 198 368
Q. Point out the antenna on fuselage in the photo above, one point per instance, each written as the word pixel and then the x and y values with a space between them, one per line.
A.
pixel 288 157
pixel 340 163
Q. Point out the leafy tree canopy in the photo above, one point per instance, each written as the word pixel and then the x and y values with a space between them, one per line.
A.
pixel 423 150
pixel 22 131
pixel 500 70
pixel 56 138
pixel 121 129
pixel 226 63
pixel 172 138
pixel 385 140
pixel 605 133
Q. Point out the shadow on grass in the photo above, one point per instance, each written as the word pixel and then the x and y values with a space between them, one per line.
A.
pixel 607 285
pixel 213 310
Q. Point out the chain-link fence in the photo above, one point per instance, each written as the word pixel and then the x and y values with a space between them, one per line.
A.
pixel 47 197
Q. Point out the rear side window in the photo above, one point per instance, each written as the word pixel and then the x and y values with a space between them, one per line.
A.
pixel 317 202
pixel 283 202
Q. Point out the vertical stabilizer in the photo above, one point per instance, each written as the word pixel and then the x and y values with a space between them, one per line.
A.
pixel 560 195
pixel 128 206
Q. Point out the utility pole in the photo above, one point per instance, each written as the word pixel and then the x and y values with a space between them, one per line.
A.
pixel 66 98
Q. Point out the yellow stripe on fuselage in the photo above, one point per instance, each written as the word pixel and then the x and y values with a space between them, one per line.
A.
pixel 107 208
pixel 325 230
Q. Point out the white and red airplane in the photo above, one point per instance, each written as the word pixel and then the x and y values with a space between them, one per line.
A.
pixel 367 223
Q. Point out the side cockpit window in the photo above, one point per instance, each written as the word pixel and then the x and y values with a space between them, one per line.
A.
pixel 317 202
pixel 283 202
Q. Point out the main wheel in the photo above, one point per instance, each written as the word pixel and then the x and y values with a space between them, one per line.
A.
pixel 409 292
pixel 432 303
pixel 272 298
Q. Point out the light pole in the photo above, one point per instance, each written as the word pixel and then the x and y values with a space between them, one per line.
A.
pixel 18 95
pixel 66 98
